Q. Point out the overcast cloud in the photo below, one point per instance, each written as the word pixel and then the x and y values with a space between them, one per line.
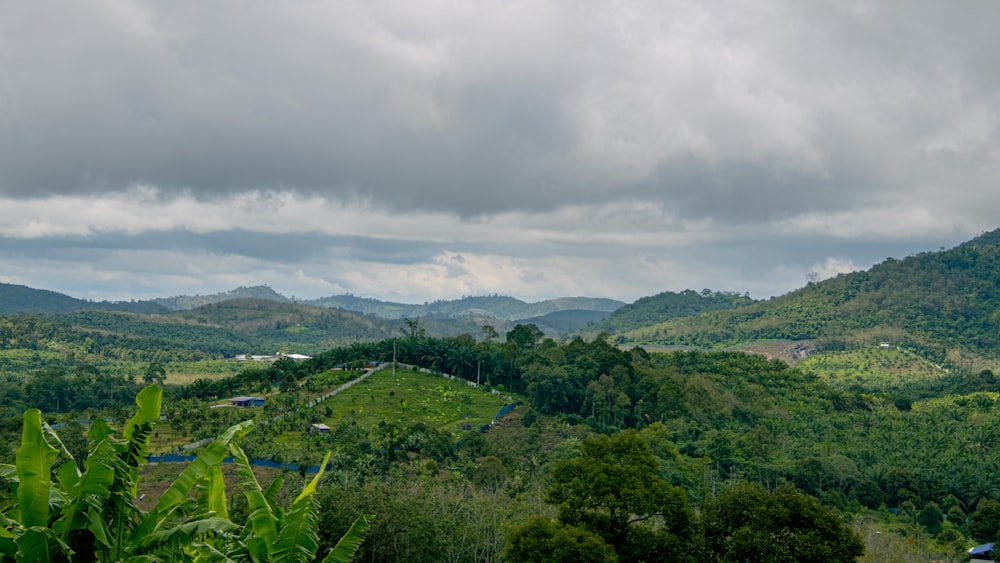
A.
pixel 422 150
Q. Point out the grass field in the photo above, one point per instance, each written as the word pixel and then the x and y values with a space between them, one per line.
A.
pixel 412 397
pixel 183 373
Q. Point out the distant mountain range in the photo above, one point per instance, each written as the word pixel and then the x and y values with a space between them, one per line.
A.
pixel 16 299
pixel 944 304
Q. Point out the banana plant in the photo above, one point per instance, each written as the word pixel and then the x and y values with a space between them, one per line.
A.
pixel 91 515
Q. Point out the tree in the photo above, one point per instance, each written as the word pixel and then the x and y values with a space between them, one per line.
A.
pixel 540 540
pixel 154 374
pixel 612 489
pixel 490 473
pixel 985 523
pixel 525 336
pixel 747 523
pixel 930 517
pixel 489 333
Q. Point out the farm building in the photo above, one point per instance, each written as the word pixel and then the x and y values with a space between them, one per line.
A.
pixel 318 428
pixel 247 401
pixel 982 553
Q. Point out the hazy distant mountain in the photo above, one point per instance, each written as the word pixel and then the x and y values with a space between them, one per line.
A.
pixel 16 299
pixel 561 322
pixel 496 306
pixel 941 303
pixel 185 302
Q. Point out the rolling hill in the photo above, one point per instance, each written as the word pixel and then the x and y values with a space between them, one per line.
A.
pixel 665 306
pixel 944 304
pixel 17 299
pixel 499 307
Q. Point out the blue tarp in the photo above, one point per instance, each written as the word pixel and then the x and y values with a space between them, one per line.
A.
pixel 257 462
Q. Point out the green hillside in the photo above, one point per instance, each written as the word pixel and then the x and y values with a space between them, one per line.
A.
pixel 185 302
pixel 944 304
pixel 287 324
pixel 665 306
pixel 17 299
pixel 412 397
pixel 872 368
pixel 561 322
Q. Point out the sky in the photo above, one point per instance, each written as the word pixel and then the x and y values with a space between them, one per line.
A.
pixel 421 150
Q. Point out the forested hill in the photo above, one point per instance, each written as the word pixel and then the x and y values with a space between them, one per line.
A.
pixel 665 306
pixel 941 303
pixel 15 299
pixel 499 307
pixel 185 302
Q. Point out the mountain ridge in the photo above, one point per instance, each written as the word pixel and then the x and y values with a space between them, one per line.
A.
pixel 945 304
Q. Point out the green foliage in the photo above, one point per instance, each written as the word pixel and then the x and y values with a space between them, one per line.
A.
pixel 612 489
pixel 91 515
pixel 747 523
pixel 930 517
pixel 665 306
pixel 540 540
pixel 931 302
pixel 985 523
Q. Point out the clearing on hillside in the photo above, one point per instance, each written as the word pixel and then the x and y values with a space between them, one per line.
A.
pixel 411 397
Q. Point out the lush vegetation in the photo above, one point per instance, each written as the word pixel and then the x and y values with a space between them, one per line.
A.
pixel 941 304
pixel 614 454
pixel 88 512
pixel 668 305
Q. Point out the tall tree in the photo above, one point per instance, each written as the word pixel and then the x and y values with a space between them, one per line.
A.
pixel 747 523
pixel 612 489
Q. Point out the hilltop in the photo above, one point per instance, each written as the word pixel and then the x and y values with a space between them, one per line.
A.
pixel 499 307
pixel 665 306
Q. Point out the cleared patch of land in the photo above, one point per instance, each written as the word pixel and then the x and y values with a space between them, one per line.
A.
pixel 411 397
pixel 871 368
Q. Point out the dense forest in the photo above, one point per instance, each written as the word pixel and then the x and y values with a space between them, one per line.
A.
pixel 665 306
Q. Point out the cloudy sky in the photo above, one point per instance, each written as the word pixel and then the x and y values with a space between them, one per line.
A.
pixel 420 150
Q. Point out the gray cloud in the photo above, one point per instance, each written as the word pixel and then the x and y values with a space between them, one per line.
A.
pixel 509 106
pixel 289 248
pixel 778 131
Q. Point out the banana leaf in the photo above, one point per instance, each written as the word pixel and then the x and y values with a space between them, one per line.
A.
pixel 199 469
pixel 298 539
pixel 33 460
pixel 351 541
